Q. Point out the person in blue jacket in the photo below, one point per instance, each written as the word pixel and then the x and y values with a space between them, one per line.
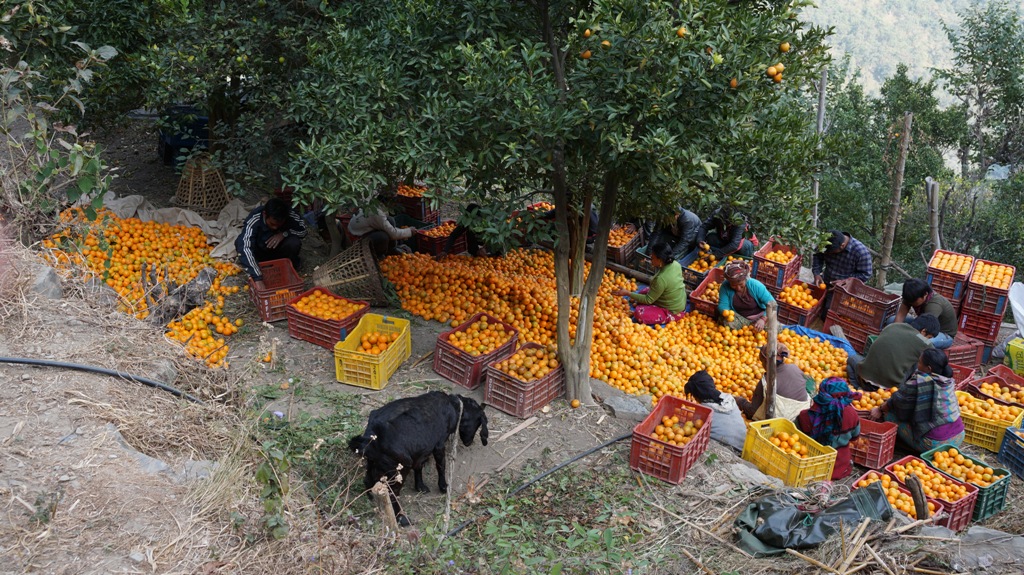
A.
pixel 742 300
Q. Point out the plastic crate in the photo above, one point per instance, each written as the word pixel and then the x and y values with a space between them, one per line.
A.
pixel 880 443
pixel 642 261
pixel 622 255
pixel 949 284
pixel 981 326
pixel 1008 375
pixel 793 315
pixel 974 388
pixel 322 332
pixel 985 299
pixel 792 470
pixel 705 306
pixel 282 284
pixel 521 398
pixel 692 278
pixel 940 505
pixel 1011 451
pixel 418 209
pixel 863 304
pixel 960 512
pixel 962 376
pixel 354 367
pixel 773 274
pixel 667 462
pixel 459 366
pixel 856 333
pixel 434 246
pixel 984 432
pixel 965 351
pixel 992 498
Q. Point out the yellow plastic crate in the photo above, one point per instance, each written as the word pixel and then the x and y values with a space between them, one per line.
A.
pixel 792 470
pixel 985 432
pixel 355 367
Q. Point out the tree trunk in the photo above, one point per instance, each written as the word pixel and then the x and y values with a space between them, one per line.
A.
pixel 894 205
pixel 331 222
pixel 773 351
pixel 932 194
pixel 820 129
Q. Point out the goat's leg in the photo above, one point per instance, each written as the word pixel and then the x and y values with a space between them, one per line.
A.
pixel 418 475
pixel 396 490
pixel 439 463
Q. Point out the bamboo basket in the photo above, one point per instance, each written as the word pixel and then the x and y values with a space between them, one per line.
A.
pixel 201 188
pixel 353 274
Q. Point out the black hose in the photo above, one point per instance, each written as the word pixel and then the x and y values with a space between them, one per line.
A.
pixel 537 478
pixel 104 371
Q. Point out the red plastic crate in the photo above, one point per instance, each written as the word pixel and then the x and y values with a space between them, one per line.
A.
pixel 657 458
pixel 974 388
pixel 705 306
pixel 962 375
pixel 863 304
pixel 459 366
pixel 433 246
pixel 965 351
pixel 322 332
pixel 981 326
pixel 793 315
pixel 879 442
pixel 985 299
pixel 949 284
pixel 1007 374
pixel 856 333
pixel 282 284
pixel 772 274
pixel 521 398
pixel 622 255
pixel 940 505
pixel 418 209
pixel 960 512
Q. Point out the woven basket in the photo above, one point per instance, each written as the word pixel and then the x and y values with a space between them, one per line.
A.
pixel 201 188
pixel 353 274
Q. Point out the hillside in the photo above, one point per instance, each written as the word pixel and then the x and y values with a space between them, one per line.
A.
pixel 879 34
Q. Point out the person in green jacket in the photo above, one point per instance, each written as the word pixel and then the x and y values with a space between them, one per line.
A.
pixel 892 358
pixel 742 300
pixel 665 299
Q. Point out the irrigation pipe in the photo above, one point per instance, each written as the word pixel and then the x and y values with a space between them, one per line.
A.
pixel 537 478
pixel 104 371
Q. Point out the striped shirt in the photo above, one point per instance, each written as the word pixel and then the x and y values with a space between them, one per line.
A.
pixel 254 236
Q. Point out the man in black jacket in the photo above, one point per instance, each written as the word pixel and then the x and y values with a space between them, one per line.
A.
pixel 272 231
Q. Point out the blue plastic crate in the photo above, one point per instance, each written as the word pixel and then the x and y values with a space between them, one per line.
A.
pixel 1011 452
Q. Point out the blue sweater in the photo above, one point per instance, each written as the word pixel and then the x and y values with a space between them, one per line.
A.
pixel 757 290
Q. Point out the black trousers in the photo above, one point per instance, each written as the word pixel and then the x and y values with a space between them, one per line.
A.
pixel 288 249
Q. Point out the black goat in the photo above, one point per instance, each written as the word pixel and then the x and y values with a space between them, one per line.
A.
pixel 408 431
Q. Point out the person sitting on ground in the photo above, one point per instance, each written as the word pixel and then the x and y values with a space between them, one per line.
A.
pixel 742 300
pixel 892 357
pixel 378 227
pixel 470 218
pixel 844 257
pixel 727 425
pixel 272 231
pixel 918 296
pixel 665 299
pixel 792 388
pixel 925 407
pixel 723 234
pixel 681 233
pixel 833 421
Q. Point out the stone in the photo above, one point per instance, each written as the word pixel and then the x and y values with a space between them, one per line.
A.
pixel 163 370
pixel 46 282
pixel 749 476
pixel 137 557
pixel 98 292
pixel 149 464
pixel 195 470
pixel 628 408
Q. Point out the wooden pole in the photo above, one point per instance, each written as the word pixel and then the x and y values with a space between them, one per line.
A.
pixel 381 495
pixel 894 205
pixel 820 129
pixel 917 494
pixel 773 347
pixel 932 193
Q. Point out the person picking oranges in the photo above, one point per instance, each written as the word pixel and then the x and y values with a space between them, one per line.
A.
pixel 833 421
pixel 272 231
pixel 844 257
pixel 919 296
pixel 742 300
pixel 665 299
pixel 727 424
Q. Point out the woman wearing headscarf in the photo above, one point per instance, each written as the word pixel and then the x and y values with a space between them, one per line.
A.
pixel 727 425
pixel 832 421
pixel 792 388
pixel 742 300
pixel 665 299
pixel 925 407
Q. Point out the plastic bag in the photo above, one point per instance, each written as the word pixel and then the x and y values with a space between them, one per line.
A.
pixel 835 341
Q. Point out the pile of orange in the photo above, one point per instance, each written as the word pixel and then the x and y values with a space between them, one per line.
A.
pixel 934 484
pixel 871 399
pixel 194 331
pixel 711 292
pixel 899 499
pixel 326 306
pixel 620 236
pixel 817 359
pixel 987 408
pixel 780 256
pixel 529 363
pixel 992 275
pixel 440 231
pixel 542 207
pixel 798 295
pixel 1011 395
pixel 375 343
pixel 705 261
pixel 950 262
pixel 952 462
pixel 411 191
pixel 790 443
pixel 480 337
pixel 672 433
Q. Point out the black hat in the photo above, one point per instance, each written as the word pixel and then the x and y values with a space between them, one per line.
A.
pixel 835 241
pixel 702 387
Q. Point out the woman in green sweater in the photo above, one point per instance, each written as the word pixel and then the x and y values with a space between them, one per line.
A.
pixel 665 299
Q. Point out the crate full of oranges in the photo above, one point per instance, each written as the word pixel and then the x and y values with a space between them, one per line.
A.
pixel 323 318
pixel 776 265
pixel 670 439
pixel 779 449
pixel 992 483
pixel 985 421
pixel 871 399
pixel 948 272
pixel 371 353
pixel 623 242
pixel 696 266
pixel 705 297
pixel 432 240
pixel 898 496
pixel 462 353
pixel 800 303
pixel 989 288
pixel 997 388
pixel 863 304
pixel 524 382
pixel 959 497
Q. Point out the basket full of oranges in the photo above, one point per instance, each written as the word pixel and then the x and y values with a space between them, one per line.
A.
pixel 989 287
pixel 431 240
pixel 670 439
pixel 985 421
pixel 372 352
pixel 992 483
pixel 462 353
pixel 779 449
pixel 898 496
pixel 705 297
pixel 321 317
pixel 959 497
pixel 524 382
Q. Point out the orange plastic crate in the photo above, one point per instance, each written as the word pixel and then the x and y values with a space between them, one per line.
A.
pixel 949 284
pixel 863 304
pixel 879 443
pixel 775 276
pixel 705 306
pixel 521 398
pixel 462 368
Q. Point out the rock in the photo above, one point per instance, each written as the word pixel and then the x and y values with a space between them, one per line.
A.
pixel 98 292
pixel 46 282
pixel 195 470
pixel 628 408
pixel 137 557
pixel 162 370
pixel 602 391
pixel 749 476
pixel 65 478
pixel 149 464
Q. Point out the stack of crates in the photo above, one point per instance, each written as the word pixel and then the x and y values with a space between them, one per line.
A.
pixel 985 302
pixel 861 311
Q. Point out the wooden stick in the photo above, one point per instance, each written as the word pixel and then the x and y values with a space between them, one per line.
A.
pixel 422 359
pixel 857 568
pixel 517 429
pixel 928 571
pixel 699 528
pixel 696 561
pixel 930 538
pixel 812 561
pixel 769 376
pixel 856 543
pixel 917 493
pixel 878 559
pixel 382 499
pixel 517 454
pixel 842 538
pixel 917 523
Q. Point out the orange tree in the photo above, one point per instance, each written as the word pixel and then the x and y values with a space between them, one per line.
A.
pixel 628 106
